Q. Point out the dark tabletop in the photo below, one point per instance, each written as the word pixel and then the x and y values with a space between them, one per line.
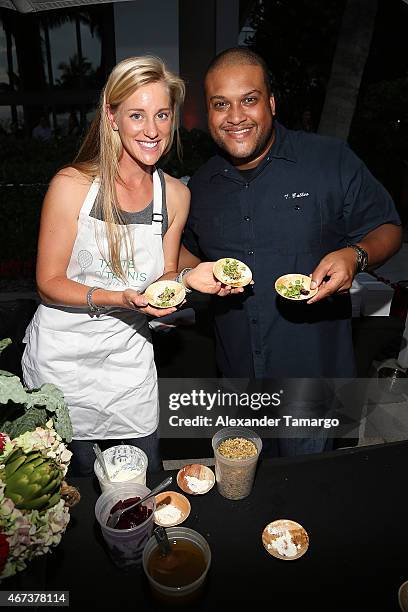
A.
pixel 351 502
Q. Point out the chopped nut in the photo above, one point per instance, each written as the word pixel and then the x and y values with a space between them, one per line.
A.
pixel 237 448
pixel 235 477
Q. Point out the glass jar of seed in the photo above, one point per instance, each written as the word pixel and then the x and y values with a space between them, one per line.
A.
pixel 236 452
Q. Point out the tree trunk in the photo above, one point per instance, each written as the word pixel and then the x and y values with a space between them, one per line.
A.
pixel 10 70
pixel 27 36
pixel 82 110
pixel 49 69
pixel 351 54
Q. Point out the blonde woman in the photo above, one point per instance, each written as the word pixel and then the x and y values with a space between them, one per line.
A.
pixel 111 225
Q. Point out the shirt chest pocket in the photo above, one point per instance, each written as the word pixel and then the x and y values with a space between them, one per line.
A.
pixel 295 225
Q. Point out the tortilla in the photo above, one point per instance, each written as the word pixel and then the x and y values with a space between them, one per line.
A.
pixel 295 287
pixel 165 294
pixel 232 272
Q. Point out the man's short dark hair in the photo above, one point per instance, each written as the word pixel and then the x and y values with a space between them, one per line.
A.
pixel 241 56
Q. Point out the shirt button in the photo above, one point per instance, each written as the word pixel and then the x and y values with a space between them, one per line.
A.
pixel 246 185
pixel 254 321
pixel 297 207
pixel 225 169
pixel 257 352
pixel 246 218
pixel 250 252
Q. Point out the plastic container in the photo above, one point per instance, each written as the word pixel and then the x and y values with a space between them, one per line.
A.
pixel 123 458
pixel 125 545
pixel 184 594
pixel 235 477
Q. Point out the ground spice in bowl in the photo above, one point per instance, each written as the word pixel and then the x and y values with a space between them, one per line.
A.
pixel 167 515
pixel 285 539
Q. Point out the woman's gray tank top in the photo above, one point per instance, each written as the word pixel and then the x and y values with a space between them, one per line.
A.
pixel 145 216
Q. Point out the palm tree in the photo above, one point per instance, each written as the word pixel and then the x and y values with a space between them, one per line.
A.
pixel 27 37
pixel 10 69
pixel 350 57
pixel 34 54
pixel 75 73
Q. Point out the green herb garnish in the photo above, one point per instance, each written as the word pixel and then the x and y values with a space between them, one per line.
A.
pixel 293 290
pixel 230 269
pixel 164 299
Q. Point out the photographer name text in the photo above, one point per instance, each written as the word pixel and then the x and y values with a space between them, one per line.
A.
pixel 226 421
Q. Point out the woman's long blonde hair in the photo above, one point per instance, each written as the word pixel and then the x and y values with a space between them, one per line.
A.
pixel 102 148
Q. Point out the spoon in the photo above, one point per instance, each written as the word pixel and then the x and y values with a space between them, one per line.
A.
pixel 101 459
pixel 162 540
pixel 168 560
pixel 114 518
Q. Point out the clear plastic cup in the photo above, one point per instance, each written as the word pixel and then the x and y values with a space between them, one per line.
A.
pixel 184 594
pixel 125 545
pixel 235 477
pixel 122 459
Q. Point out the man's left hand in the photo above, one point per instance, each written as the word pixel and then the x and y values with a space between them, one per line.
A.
pixel 334 274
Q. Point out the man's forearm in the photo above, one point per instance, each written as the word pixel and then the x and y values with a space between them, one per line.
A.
pixel 382 243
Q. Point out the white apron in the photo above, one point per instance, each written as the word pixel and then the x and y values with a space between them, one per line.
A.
pixel 103 364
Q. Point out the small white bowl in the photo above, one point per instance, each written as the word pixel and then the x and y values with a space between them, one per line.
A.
pixel 195 471
pixel 155 290
pixel 175 499
pixel 219 272
pixel 301 279
pixel 298 535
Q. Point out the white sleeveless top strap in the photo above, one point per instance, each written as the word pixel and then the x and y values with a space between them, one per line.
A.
pixel 157 220
pixel 90 197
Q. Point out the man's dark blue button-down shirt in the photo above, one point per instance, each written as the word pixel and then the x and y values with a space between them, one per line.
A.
pixel 309 196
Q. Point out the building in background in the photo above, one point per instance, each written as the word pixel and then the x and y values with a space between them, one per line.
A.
pixel 53 63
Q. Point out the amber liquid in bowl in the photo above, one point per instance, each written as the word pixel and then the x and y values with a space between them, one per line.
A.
pixel 183 565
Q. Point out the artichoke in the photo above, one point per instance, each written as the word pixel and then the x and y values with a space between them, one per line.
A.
pixel 33 482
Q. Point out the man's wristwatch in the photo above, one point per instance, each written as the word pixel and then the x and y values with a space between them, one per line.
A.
pixel 180 276
pixel 362 257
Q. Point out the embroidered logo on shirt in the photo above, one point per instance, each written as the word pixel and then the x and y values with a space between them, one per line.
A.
pixel 302 194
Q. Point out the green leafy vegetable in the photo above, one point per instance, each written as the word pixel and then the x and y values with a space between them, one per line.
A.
pixel 4 343
pixel 23 410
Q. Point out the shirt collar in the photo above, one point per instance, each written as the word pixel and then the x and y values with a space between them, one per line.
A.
pixel 282 148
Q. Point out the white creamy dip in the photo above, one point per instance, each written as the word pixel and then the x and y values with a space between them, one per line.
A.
pixel 123 474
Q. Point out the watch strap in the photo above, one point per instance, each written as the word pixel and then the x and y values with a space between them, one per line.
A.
pixel 362 257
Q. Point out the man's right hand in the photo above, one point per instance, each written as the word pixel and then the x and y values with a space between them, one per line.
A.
pixel 201 278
